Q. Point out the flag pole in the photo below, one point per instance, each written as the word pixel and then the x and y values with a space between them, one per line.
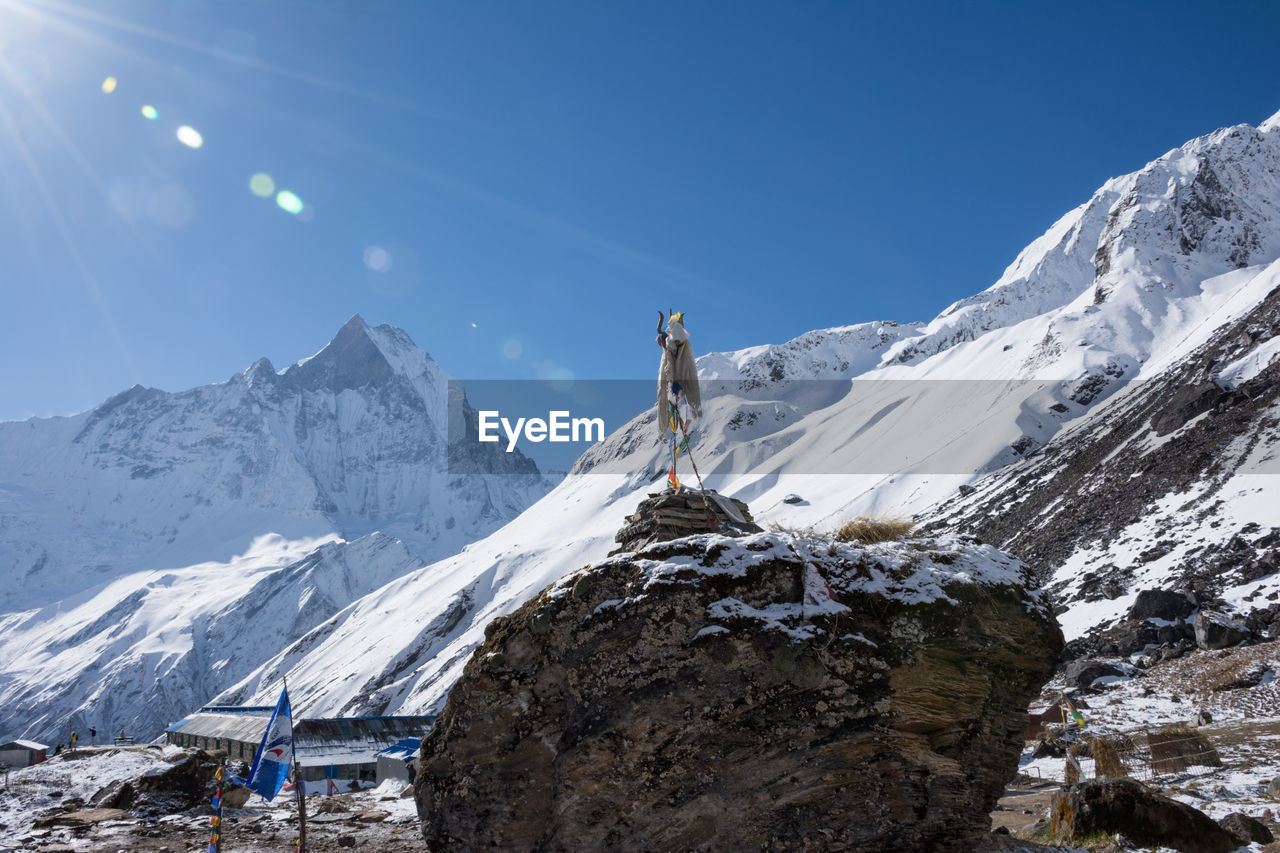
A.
pixel 301 845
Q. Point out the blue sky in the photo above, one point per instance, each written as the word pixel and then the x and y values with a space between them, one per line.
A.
pixel 543 177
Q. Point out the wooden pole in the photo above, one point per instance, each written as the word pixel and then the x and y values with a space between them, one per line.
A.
pixel 299 785
pixel 302 805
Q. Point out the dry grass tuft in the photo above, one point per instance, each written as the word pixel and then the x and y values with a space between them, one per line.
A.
pixel 1107 761
pixel 775 527
pixel 872 529
pixel 1176 747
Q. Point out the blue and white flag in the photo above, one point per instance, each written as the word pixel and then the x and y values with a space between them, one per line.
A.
pixel 275 754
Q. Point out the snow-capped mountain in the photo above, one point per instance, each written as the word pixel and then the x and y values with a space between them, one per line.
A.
pixel 142 541
pixel 350 441
pixel 1110 341
pixel 1140 288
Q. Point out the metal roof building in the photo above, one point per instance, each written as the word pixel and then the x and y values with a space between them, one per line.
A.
pixel 399 761
pixel 22 753
pixel 336 754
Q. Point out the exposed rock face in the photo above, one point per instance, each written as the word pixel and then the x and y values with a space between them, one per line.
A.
pixel 776 691
pixel 1127 807
pixel 187 782
pixel 1073 502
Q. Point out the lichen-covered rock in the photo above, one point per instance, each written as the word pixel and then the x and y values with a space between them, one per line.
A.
pixel 776 691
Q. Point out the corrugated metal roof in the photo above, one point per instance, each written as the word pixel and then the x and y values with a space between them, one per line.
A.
pixel 405 750
pixel 325 754
pixel 252 710
pixel 317 741
pixel 22 744
pixel 353 740
pixel 240 727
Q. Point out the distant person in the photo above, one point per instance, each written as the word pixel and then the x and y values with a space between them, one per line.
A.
pixel 57 750
pixel 93 736
pixel 74 737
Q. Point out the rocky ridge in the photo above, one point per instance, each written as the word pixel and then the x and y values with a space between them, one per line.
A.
pixel 1132 501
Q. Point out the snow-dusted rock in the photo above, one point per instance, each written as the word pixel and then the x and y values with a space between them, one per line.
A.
pixel 1217 630
pixel 776 689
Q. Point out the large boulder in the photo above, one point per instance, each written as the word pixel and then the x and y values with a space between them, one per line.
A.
pixel 1247 830
pixel 1082 673
pixel 1161 604
pixel 184 783
pixel 778 691
pixel 1217 630
pixel 1108 806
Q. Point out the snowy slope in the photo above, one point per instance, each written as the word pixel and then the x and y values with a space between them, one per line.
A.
pixel 148 646
pixel 1119 293
pixel 157 548
pixel 1171 484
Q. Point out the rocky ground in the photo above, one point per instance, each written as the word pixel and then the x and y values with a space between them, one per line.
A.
pixel 51 808
pixel 1230 697
pixel 1242 723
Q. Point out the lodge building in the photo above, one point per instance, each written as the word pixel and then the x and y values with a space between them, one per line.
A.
pixel 335 754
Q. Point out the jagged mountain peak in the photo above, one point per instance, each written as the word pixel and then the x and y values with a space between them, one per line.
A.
pixel 261 370
pixel 360 355
pixel 1200 210
pixel 350 360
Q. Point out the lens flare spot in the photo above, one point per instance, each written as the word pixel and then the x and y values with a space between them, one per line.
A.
pixel 288 202
pixel 190 137
pixel 149 113
pixel 512 348
pixel 262 185
pixel 377 259
pixel 108 85
pixel 562 379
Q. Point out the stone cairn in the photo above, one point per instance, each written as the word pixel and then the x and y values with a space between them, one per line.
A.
pixel 675 514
